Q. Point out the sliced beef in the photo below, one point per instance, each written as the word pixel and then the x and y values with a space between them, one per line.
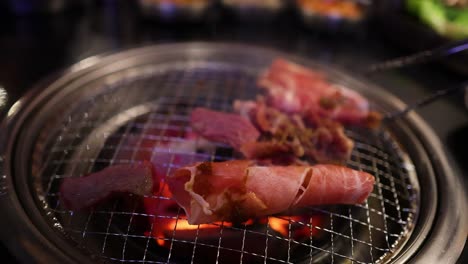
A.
pixel 88 191
pixel 293 88
pixel 231 129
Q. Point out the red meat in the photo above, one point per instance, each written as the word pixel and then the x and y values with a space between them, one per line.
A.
pixel 85 192
pixel 296 89
pixel 231 129
pixel 238 190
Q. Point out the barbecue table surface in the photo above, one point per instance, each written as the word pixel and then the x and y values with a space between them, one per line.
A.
pixel 33 47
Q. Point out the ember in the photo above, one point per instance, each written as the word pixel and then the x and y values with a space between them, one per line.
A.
pixel 296 227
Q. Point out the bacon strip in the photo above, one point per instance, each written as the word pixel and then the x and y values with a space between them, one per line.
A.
pixel 238 190
pixel 297 89
pixel 85 192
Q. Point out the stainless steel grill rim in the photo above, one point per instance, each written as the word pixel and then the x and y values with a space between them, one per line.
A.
pixel 192 49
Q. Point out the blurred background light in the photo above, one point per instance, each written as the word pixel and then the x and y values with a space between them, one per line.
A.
pixel 3 96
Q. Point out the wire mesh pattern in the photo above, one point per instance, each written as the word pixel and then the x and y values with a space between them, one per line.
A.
pixel 146 118
pixel 3 185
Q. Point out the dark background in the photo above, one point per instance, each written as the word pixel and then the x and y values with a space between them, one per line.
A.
pixel 33 46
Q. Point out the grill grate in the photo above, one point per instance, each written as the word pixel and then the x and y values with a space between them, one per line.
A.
pixel 136 117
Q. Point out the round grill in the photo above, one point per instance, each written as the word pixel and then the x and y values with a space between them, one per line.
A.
pixel 120 112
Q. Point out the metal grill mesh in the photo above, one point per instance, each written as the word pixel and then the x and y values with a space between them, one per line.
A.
pixel 127 120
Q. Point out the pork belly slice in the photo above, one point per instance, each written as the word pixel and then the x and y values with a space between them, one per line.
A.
pixel 231 129
pixel 322 141
pixel 91 190
pixel 296 89
pixel 238 190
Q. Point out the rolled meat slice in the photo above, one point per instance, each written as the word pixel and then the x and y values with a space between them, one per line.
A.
pixel 238 190
pixel 88 191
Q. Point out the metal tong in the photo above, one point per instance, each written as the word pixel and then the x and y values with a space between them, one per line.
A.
pixel 418 58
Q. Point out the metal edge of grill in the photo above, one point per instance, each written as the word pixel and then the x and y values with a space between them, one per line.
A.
pixel 413 120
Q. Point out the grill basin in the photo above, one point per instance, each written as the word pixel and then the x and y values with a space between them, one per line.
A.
pixel 119 109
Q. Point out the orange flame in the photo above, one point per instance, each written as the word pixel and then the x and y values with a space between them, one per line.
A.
pixel 295 226
pixel 279 225
pixel 167 221
pixel 174 225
